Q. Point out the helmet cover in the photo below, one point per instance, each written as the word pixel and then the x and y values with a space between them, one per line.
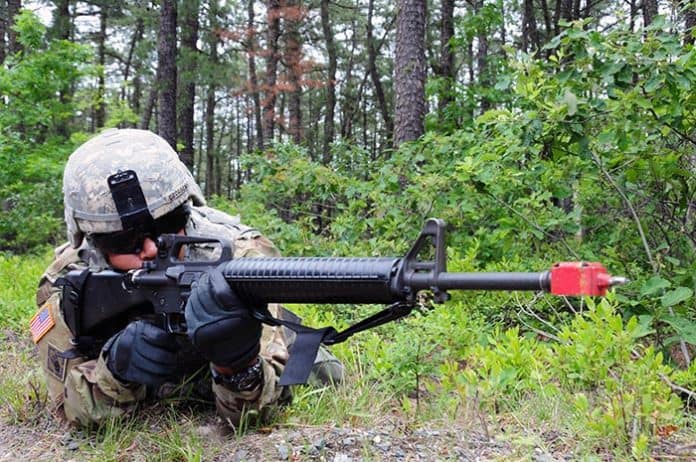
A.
pixel 89 206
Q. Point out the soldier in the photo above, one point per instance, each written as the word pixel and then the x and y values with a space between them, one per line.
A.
pixel 228 356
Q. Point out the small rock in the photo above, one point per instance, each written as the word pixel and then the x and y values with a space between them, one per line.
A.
pixel 74 446
pixel 319 444
pixel 540 456
pixel 348 441
pixel 384 447
pixel 241 456
pixel 283 452
pixel 340 457
pixel 206 431
pixel 66 438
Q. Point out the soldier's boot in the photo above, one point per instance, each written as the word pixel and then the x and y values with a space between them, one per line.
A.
pixel 327 369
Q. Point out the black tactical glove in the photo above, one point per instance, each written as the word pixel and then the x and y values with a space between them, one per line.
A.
pixel 142 353
pixel 219 325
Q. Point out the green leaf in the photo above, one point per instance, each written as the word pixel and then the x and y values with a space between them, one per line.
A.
pixel 606 137
pixel 645 322
pixel 672 260
pixel 571 101
pixel 653 83
pixel 685 328
pixel 653 285
pixel 676 296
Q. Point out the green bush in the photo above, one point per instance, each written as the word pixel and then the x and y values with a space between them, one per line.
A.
pixel 34 133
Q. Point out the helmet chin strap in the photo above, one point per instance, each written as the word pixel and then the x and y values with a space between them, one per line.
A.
pixel 130 200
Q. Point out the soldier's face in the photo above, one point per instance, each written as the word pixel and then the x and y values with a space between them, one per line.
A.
pixel 129 261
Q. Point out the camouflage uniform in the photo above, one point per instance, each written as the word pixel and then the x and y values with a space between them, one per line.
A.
pixel 85 391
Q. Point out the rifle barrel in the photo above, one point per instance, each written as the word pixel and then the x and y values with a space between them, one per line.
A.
pixel 356 280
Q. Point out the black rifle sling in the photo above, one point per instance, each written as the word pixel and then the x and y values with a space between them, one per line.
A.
pixel 304 350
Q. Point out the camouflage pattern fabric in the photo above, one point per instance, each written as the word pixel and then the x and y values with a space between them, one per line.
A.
pixel 84 391
pixel 165 181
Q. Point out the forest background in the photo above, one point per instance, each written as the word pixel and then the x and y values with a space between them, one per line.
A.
pixel 540 130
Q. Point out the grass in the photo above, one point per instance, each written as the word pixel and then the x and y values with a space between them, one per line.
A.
pixel 19 276
pixel 427 371
pixel 22 391
pixel 23 395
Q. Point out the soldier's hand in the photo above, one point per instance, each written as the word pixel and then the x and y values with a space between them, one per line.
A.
pixel 142 353
pixel 219 325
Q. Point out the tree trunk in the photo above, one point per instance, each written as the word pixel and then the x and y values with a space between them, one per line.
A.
pixel 187 78
pixel 135 39
pixel 548 27
pixel 238 148
pixel 209 141
pixel 503 31
pixel 253 79
pixel 138 69
pixel 363 120
pixel 218 157
pixel 269 100
pixel 150 105
pixel 3 30
pixel 563 11
pixel 349 104
pixel 649 11
pixel 61 30
pixel 200 162
pixel 13 7
pixel 530 33
pixel 372 68
pixel 689 22
pixel 409 79
pixel 62 23
pixel 293 61
pixel 567 10
pixel 136 95
pixel 446 64
pixel 210 154
pixel 100 109
pixel 166 55
pixel 484 77
pixel 576 9
pixel 310 131
pixel 330 84
pixel 247 125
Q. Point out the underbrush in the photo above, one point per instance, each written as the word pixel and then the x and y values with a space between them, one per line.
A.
pixel 596 385
pixel 610 393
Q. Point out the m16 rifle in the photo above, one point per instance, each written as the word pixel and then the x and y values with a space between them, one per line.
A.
pixel 94 302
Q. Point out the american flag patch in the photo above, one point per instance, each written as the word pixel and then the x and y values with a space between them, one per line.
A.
pixel 40 324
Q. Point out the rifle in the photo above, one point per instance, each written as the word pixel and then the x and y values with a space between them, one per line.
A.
pixel 94 302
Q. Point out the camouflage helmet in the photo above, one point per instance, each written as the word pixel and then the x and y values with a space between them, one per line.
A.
pixel 165 181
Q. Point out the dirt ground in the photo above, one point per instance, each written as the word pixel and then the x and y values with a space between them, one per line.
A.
pixel 389 441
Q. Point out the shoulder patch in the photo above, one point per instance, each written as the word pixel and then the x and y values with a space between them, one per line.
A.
pixel 41 323
pixel 56 363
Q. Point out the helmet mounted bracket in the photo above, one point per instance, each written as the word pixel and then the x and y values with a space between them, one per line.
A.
pixel 130 200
